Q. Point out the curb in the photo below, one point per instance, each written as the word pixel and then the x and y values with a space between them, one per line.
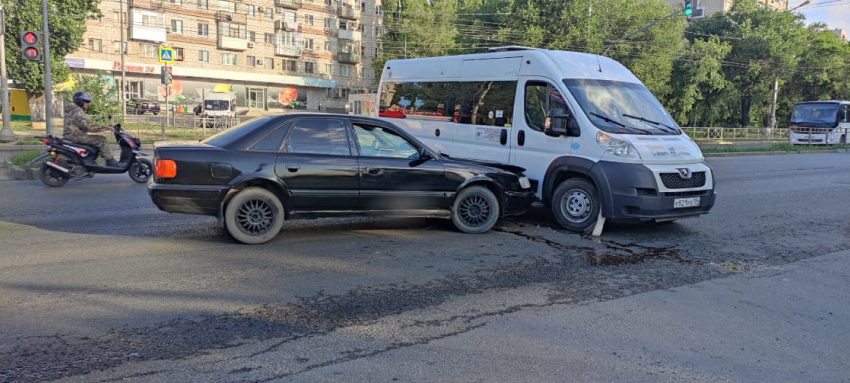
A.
pixel 752 154
pixel 18 173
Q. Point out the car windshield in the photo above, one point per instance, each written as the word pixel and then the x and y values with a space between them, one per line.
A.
pixel 225 137
pixel 825 113
pixel 621 107
pixel 216 105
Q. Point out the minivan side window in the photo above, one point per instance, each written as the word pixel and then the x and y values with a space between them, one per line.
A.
pixel 540 97
pixel 319 136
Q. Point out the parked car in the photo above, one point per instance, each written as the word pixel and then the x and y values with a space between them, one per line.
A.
pixel 271 168
pixel 142 106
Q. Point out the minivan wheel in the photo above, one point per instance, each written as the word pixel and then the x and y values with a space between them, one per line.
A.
pixel 254 216
pixel 575 204
pixel 475 210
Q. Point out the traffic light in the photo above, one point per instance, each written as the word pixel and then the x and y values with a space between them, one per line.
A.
pixel 688 8
pixel 30 49
pixel 165 75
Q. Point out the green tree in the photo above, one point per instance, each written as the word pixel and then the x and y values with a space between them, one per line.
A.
pixel 67 21
pixel 698 81
pixel 104 97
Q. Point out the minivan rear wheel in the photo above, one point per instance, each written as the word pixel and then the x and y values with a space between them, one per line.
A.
pixel 575 204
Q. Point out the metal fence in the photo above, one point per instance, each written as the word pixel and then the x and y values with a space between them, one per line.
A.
pixel 174 126
pixel 737 134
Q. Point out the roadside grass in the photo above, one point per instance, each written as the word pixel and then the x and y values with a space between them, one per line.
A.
pixel 23 159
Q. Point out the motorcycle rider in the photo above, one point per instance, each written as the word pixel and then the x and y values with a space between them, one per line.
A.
pixel 77 125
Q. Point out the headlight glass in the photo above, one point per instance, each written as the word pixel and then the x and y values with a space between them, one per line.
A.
pixel 616 146
pixel 524 183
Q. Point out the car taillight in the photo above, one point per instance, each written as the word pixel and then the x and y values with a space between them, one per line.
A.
pixel 166 168
pixel 144 105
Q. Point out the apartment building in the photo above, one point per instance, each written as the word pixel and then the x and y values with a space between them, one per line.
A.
pixel 273 54
pixel 705 8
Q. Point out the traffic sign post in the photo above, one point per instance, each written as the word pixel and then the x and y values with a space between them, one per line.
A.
pixel 166 56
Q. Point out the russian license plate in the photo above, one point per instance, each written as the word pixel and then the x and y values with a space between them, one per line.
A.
pixel 685 202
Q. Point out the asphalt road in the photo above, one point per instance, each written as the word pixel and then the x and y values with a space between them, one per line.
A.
pixel 97 284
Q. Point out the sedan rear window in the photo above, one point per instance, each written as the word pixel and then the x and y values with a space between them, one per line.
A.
pixel 225 137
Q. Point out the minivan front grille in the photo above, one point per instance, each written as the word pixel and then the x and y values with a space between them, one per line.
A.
pixel 675 181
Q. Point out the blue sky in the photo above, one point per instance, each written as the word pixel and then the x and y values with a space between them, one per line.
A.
pixel 835 13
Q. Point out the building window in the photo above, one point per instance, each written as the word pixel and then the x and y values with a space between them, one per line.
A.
pixel 232 30
pixel 268 38
pixel 227 6
pixel 178 54
pixel 378 10
pixel 329 23
pixel 203 4
pixel 116 47
pixel 362 6
pixel 345 70
pixel 250 61
pixel 327 3
pixel 308 19
pixel 252 36
pixel 268 63
pixel 148 50
pixel 176 2
pixel 204 56
pixel 96 45
pixel 309 68
pixel 289 17
pixel 133 89
pixel 150 19
pixel 361 28
pixel 376 51
pixel 269 13
pixel 290 65
pixel 249 10
pixel 203 30
pixel 327 46
pixel 362 72
pixel 177 26
pixel 228 59
pixel 308 44
pixel 328 69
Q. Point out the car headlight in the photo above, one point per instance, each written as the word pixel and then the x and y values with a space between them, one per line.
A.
pixel 524 182
pixel 616 146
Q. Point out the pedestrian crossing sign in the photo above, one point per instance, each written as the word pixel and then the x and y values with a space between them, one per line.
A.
pixel 166 55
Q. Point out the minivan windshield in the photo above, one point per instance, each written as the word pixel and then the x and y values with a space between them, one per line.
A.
pixel 621 107
pixel 217 105
pixel 815 114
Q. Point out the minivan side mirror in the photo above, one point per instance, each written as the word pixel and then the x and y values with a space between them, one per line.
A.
pixel 560 123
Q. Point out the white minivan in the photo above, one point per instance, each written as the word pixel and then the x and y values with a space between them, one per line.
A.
pixel 592 138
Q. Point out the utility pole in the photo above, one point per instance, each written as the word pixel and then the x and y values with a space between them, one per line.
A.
pixel 772 122
pixel 6 134
pixel 121 91
pixel 48 80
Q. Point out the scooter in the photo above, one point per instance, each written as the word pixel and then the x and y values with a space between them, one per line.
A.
pixel 69 160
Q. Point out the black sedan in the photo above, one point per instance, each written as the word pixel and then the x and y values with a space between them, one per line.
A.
pixel 272 168
pixel 142 106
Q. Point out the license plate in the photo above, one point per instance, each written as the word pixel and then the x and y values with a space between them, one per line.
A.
pixel 685 202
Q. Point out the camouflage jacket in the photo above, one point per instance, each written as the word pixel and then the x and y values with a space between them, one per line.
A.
pixel 77 124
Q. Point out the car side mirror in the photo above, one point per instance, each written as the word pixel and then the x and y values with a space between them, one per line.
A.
pixel 423 154
pixel 560 123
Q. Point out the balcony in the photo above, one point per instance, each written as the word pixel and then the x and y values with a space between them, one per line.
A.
pixel 348 35
pixel 348 58
pixel 147 25
pixel 290 4
pixel 232 43
pixel 152 5
pixel 287 50
pixel 280 25
pixel 231 17
pixel 348 12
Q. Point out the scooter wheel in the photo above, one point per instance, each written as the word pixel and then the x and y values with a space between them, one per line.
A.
pixel 51 177
pixel 141 170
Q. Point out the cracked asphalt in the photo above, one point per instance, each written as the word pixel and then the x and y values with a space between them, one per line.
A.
pixel 97 285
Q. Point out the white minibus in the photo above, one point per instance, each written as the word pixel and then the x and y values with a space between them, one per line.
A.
pixel 592 138
pixel 819 122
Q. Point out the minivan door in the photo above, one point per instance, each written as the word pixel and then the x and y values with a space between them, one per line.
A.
pixel 483 120
pixel 532 149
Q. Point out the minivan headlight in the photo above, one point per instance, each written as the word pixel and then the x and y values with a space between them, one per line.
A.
pixel 524 182
pixel 616 146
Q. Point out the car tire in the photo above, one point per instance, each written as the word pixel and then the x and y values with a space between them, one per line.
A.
pixel 475 210
pixel 254 216
pixel 51 177
pixel 141 170
pixel 575 205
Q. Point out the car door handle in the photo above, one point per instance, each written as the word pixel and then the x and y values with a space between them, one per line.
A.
pixel 293 168
pixel 373 170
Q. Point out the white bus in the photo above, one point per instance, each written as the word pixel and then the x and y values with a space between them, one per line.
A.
pixel 819 123
pixel 593 139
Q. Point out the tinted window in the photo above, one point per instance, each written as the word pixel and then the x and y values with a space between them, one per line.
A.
pixel 486 103
pixel 418 100
pixel 319 136
pixel 225 137
pixel 271 142
pixel 540 98
pixel 376 141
